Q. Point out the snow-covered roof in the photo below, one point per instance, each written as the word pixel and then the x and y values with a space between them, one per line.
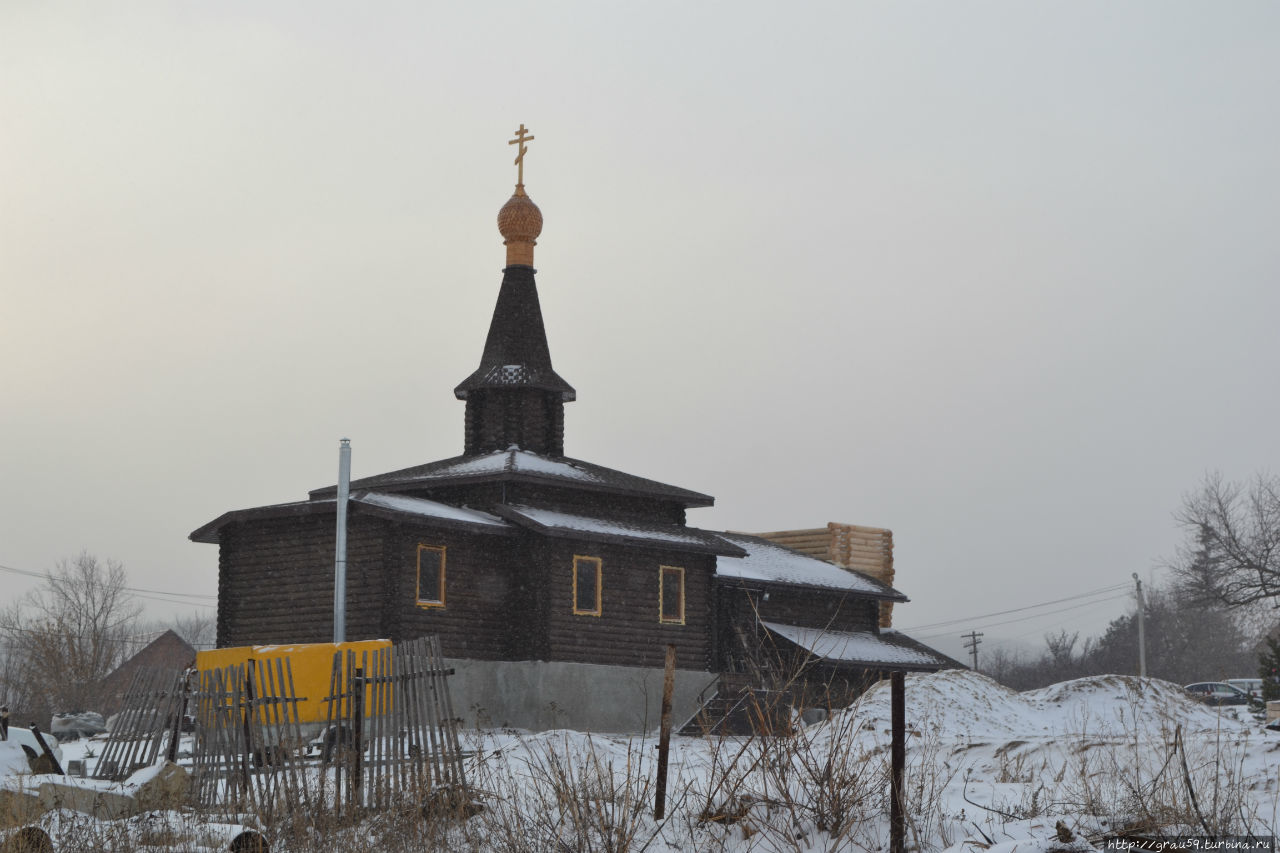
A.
pixel 553 522
pixel 858 647
pixel 771 563
pixel 427 509
pixel 514 463
pixel 377 502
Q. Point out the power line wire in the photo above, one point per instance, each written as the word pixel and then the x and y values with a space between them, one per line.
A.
pixel 133 589
pixel 1025 618
pixel 965 619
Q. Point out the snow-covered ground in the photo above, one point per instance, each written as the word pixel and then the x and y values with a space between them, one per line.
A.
pixel 986 766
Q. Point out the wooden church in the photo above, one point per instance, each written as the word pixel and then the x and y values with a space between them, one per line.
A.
pixel 554 584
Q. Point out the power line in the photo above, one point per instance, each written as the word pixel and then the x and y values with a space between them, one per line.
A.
pixel 962 620
pixel 178 601
pixel 1041 628
pixel 1032 616
pixel 1035 615
pixel 136 590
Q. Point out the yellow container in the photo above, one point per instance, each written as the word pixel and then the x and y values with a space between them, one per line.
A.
pixel 310 663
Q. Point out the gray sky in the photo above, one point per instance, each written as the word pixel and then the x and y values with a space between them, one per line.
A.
pixel 999 276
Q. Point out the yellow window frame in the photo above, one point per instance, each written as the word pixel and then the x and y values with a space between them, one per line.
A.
pixel 597 564
pixel 664 617
pixel 439 569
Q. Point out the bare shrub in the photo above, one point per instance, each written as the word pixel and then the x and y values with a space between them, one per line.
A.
pixel 822 782
pixel 552 799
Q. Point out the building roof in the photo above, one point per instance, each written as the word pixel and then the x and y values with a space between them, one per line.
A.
pixel 423 508
pixel 166 651
pixel 889 650
pixel 516 352
pixel 555 523
pixel 767 562
pixel 374 503
pixel 514 464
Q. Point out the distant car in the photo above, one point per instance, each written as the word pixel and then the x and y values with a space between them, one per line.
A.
pixel 1218 693
pixel 1252 686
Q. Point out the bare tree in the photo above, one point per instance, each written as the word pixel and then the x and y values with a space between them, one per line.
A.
pixel 1235 558
pixel 63 637
pixel 199 628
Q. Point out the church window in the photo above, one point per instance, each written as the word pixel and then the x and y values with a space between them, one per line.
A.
pixel 671 595
pixel 430 576
pixel 586 586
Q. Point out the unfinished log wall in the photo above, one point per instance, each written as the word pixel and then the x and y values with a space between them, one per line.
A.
pixel 868 550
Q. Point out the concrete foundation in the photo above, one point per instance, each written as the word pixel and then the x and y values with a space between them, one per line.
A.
pixel 539 695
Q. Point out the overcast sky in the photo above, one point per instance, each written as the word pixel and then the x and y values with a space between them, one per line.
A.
pixel 999 276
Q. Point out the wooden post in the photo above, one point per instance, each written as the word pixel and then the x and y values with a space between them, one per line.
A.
pixel 898 714
pixel 246 760
pixel 175 732
pixel 357 735
pixel 664 736
pixel 48 753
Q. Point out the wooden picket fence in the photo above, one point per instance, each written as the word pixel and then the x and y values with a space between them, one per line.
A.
pixel 389 734
pixel 248 744
pixel 396 731
pixel 150 717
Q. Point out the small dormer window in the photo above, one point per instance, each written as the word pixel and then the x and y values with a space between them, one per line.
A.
pixel 431 575
pixel 671 595
pixel 586 586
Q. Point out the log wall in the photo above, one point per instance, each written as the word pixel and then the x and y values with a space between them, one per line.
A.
pixel 825 609
pixel 275 580
pixel 497 418
pixel 478 620
pixel 627 631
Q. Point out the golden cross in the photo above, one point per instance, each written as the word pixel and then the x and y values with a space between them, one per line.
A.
pixel 521 139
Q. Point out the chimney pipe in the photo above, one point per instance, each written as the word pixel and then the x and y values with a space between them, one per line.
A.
pixel 340 557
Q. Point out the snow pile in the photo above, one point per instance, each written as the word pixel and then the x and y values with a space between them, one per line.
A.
pixel 953 702
pixel 964 703
pixel 1120 705
pixel 13 760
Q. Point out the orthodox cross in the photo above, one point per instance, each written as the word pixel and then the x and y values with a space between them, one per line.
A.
pixel 521 139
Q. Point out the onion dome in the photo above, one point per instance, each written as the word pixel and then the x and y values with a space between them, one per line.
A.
pixel 520 223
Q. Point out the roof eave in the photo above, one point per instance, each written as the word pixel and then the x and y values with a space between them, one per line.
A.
pixel 392 514
pixel 753 583
pixel 638 540
pixel 690 500
pixel 210 533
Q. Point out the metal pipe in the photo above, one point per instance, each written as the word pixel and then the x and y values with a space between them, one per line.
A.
pixel 340 557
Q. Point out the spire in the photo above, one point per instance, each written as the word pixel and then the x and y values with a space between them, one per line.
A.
pixel 515 397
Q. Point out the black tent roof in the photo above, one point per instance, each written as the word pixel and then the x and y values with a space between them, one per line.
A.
pixel 515 464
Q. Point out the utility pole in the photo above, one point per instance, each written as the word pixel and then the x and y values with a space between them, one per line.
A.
pixel 972 639
pixel 1142 634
